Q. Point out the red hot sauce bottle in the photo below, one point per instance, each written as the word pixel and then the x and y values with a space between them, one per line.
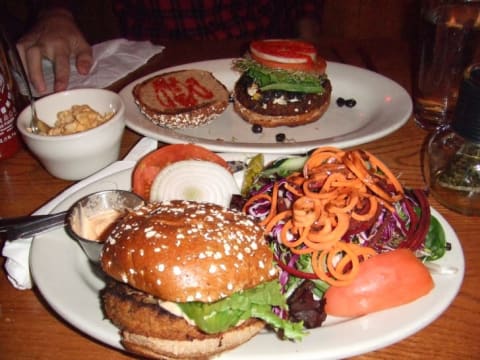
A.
pixel 9 138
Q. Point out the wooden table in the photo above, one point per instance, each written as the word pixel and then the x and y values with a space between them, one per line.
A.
pixel 29 329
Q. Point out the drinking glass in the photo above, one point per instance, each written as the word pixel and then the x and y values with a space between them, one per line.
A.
pixel 449 41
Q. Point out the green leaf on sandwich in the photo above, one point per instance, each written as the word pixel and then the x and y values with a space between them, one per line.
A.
pixel 252 303
pixel 278 79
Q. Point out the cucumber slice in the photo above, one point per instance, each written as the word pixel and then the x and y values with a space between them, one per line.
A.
pixel 285 166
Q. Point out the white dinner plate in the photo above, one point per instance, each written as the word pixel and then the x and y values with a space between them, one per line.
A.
pixel 71 286
pixel 382 107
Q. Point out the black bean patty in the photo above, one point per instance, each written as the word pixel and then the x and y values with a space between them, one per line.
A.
pixel 296 102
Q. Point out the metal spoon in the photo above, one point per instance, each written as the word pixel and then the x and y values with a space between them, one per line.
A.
pixel 37 126
pixel 27 226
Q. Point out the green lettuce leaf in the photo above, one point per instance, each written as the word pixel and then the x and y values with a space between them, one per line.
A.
pixel 278 79
pixel 257 302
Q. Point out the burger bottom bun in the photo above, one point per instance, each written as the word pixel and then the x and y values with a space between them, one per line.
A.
pixel 190 349
pixel 269 121
pixel 149 330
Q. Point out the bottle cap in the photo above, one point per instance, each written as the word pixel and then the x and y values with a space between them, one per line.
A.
pixel 466 121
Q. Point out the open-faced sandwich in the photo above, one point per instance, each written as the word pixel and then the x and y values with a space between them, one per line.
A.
pixel 283 83
pixel 181 99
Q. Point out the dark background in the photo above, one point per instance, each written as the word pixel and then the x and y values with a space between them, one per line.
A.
pixel 356 19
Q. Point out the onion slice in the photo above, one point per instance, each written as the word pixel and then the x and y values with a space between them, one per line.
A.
pixel 194 180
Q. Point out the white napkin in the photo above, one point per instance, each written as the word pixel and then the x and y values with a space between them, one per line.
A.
pixel 17 251
pixel 112 60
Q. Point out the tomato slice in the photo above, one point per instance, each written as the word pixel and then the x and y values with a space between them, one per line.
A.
pixel 151 164
pixel 286 51
pixel 384 281
pixel 288 55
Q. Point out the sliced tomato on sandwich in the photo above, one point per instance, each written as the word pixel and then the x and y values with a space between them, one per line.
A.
pixel 151 164
pixel 287 55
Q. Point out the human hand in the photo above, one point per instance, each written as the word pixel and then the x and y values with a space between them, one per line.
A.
pixel 56 37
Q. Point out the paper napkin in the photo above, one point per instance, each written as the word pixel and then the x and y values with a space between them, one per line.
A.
pixel 112 60
pixel 17 252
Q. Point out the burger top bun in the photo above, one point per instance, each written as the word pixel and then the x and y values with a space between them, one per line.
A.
pixel 185 251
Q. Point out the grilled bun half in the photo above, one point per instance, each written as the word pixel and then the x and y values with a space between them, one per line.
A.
pixel 282 83
pixel 181 99
pixel 166 258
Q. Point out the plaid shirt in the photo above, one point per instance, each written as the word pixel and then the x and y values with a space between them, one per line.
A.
pixel 156 20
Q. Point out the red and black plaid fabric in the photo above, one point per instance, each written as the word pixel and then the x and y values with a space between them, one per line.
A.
pixel 157 20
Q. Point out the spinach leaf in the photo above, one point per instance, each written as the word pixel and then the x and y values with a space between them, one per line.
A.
pixel 435 242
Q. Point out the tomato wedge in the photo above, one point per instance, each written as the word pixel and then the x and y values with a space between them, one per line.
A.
pixel 384 281
pixel 287 55
pixel 151 164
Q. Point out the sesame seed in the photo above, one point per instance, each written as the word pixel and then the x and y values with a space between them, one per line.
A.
pixel 150 234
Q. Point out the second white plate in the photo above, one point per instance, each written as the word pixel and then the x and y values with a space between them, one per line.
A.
pixel 71 286
pixel 382 107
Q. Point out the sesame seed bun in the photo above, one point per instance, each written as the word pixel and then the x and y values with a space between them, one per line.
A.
pixel 185 251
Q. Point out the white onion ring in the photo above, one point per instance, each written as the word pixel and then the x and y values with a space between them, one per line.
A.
pixel 194 180
pixel 282 59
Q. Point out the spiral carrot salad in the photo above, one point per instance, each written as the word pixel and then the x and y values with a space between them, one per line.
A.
pixel 339 209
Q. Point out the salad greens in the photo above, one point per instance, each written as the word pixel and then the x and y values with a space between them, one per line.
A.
pixel 435 243
pixel 408 225
pixel 432 248
pixel 278 79
pixel 256 302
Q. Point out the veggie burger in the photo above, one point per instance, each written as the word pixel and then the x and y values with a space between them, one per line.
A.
pixel 283 83
pixel 190 280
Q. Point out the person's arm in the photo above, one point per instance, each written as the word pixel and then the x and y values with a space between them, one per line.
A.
pixel 54 36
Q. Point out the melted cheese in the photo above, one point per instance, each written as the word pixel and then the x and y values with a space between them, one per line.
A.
pixel 174 309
